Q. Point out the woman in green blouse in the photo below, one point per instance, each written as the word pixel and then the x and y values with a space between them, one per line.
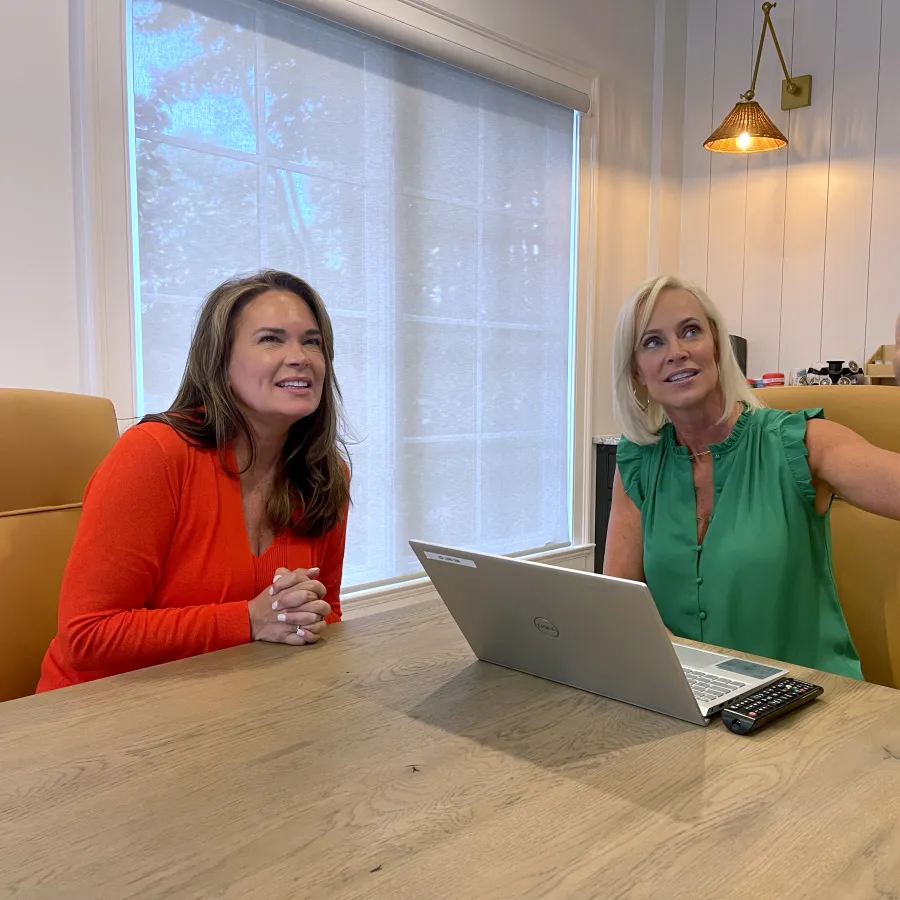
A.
pixel 721 505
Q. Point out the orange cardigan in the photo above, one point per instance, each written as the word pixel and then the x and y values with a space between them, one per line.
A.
pixel 161 567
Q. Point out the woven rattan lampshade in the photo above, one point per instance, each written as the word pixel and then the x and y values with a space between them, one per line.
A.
pixel 746 129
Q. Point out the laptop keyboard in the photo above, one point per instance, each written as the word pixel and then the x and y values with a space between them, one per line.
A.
pixel 708 688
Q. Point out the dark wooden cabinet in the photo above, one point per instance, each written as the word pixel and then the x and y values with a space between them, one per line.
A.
pixel 606 471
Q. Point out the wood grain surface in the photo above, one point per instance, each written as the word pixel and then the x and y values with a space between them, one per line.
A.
pixel 387 762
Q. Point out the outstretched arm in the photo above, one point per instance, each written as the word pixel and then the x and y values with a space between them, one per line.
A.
pixel 846 464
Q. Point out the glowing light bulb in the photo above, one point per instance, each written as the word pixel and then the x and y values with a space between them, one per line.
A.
pixel 744 141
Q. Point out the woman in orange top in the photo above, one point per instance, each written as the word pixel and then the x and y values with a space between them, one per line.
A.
pixel 222 520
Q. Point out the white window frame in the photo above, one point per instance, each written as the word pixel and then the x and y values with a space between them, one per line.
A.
pixel 104 223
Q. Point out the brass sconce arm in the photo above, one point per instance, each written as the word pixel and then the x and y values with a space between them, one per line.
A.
pixel 795 92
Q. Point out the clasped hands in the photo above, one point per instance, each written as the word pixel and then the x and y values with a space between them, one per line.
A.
pixel 292 610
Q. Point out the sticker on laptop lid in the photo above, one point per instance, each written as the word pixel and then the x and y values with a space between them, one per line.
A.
pixel 442 557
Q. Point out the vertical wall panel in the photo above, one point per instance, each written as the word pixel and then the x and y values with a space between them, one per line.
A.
pixel 883 297
pixel 728 181
pixel 850 179
pixel 700 64
pixel 766 188
pixel 806 206
pixel 806 255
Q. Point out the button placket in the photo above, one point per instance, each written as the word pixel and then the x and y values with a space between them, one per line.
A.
pixel 699 581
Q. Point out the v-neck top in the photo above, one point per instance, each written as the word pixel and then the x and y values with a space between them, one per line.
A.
pixel 161 567
pixel 762 580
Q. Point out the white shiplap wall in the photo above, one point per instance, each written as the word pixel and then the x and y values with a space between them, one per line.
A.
pixel 798 246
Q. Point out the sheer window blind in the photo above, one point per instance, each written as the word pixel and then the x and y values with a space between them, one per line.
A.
pixel 432 209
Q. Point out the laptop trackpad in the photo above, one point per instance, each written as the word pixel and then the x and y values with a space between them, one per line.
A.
pixel 692 658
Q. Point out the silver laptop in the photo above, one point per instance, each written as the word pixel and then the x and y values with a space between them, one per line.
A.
pixel 592 632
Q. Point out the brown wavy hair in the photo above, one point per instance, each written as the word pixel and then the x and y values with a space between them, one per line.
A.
pixel 314 476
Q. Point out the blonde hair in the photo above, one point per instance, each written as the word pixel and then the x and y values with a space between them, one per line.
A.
pixel 642 425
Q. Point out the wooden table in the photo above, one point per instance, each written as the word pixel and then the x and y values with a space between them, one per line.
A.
pixel 388 763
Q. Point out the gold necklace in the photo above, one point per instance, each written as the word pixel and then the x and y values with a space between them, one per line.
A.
pixel 701 453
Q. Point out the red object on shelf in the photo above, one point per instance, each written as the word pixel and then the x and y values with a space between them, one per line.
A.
pixel 773 379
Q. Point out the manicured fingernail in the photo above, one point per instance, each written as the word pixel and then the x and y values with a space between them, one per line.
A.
pixel 282 617
pixel 314 572
pixel 276 578
pixel 275 604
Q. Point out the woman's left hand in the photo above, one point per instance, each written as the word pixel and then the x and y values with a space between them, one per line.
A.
pixel 299 601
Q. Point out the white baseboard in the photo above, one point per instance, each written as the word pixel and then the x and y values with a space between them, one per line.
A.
pixel 381 599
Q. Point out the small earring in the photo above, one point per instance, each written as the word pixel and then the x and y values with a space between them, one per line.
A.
pixel 642 408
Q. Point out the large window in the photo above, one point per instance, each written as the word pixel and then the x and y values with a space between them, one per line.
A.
pixel 432 209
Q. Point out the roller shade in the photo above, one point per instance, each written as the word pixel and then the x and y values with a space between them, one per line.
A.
pixel 402 34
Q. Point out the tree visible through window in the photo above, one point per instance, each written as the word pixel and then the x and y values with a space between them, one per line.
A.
pixel 431 209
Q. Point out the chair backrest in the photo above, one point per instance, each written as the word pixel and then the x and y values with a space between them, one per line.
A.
pixel 50 444
pixel 865 548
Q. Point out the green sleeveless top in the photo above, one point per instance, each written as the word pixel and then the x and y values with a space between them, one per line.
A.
pixel 762 580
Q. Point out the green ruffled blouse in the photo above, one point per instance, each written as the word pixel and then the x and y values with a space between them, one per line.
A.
pixel 762 579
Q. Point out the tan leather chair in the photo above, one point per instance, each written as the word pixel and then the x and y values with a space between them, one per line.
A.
pixel 50 444
pixel 865 548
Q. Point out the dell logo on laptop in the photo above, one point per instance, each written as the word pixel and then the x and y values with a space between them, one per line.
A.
pixel 545 626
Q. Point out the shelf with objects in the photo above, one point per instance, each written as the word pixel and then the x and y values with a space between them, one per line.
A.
pixel 880 365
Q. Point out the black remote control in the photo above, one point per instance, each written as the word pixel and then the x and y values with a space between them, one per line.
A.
pixel 756 710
